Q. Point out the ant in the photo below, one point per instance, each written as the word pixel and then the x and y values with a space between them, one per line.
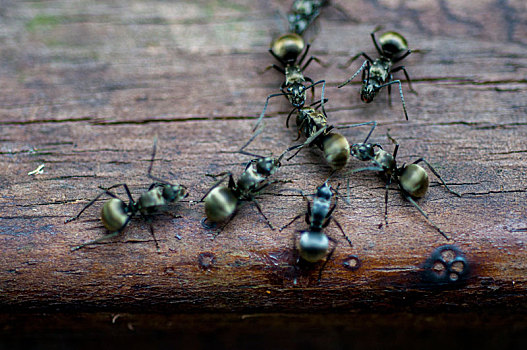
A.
pixel 313 125
pixel 412 179
pixel 377 74
pixel 116 214
pixel 221 202
pixel 286 49
pixel 303 13
pixel 313 244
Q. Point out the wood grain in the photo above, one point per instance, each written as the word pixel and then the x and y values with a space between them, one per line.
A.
pixel 87 86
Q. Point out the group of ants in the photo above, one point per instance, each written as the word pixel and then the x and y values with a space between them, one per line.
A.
pixel 222 201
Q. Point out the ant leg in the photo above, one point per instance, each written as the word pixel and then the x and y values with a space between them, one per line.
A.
pixel 342 231
pixel 288 117
pixel 376 29
pixel 322 99
pixel 328 257
pixel 348 192
pixel 300 129
pixel 406 75
pixel 394 141
pixel 154 236
pixel 437 175
pixel 386 202
pixel 225 175
pixel 255 135
pixel 149 174
pixel 410 199
pixel 390 92
pixel 149 220
pixel 299 63
pixel 313 58
pixel 265 108
pixel 103 238
pixel 280 69
pixel 400 93
pixel 354 75
pixel 290 222
pixel 105 191
pixel 352 59
pixel 371 168
pixel 279 60
pixel 216 234
pixel 373 123
pixel 85 207
pixel 309 141
pixel 400 58
pixel 261 212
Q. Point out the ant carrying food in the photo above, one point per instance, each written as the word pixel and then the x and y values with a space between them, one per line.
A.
pixel 412 179
pixel 116 214
pixel 286 49
pixel 313 243
pixel 378 73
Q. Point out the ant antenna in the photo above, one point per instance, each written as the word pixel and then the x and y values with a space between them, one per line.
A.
pixel 255 135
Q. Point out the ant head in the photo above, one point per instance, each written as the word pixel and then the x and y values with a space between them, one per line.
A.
pixel 324 191
pixel 288 47
pixel 267 166
pixel 362 151
pixel 297 95
pixel 367 92
pixel 174 193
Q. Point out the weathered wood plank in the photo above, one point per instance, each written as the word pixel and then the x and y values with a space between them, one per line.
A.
pixel 86 86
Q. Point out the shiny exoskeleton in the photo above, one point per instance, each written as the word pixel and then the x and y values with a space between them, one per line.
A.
pixel 286 49
pixel 313 244
pixel 116 214
pixel 303 13
pixel 222 201
pixel 313 125
pixel 378 73
pixel 412 179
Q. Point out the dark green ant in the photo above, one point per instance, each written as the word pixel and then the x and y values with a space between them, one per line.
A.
pixel 116 214
pixel 313 125
pixel 286 49
pixel 313 244
pixel 412 179
pixel 221 202
pixel 377 74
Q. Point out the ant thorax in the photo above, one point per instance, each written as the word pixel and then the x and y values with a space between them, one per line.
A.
pixel 309 121
pixel 380 70
pixel 385 160
pixel 150 201
pixel 257 173
pixel 293 74
pixel 363 151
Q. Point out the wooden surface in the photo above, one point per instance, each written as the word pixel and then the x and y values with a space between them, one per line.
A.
pixel 86 86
